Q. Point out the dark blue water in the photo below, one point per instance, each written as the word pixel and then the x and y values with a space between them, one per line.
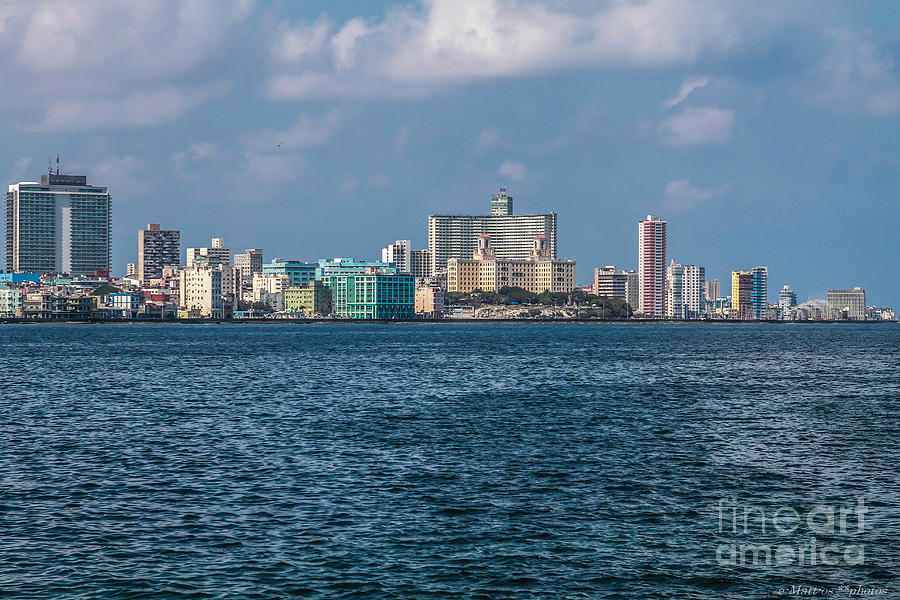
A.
pixel 442 461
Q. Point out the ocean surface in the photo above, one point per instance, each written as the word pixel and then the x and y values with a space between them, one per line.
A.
pixel 462 461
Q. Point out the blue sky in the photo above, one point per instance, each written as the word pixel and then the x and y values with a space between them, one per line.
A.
pixel 765 133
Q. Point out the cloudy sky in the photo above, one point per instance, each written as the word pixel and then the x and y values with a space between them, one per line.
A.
pixel 765 133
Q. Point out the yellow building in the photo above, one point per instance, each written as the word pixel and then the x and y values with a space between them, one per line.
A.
pixel 429 301
pixel 484 271
pixel 741 291
pixel 312 298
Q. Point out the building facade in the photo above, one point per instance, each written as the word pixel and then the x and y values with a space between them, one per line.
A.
pixel 377 293
pixel 759 297
pixel 741 295
pixel 200 292
pixel 310 299
pixel 157 248
pixel 485 271
pixel 852 303
pixel 501 204
pixel 613 283
pixel 456 236
pixel 215 254
pixel 297 272
pixel 398 253
pixel 429 302
pixel 420 263
pixel 250 262
pixel 787 299
pixel 59 225
pixel 652 266
pixel 685 297
pixel 712 289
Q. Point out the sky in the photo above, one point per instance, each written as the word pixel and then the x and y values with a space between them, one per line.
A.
pixel 765 133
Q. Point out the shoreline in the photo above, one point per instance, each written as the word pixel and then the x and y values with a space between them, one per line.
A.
pixel 15 321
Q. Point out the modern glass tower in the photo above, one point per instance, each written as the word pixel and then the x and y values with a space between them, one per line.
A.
pixel 60 225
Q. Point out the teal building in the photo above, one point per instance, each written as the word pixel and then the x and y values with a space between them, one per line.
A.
pixel 377 293
pixel 300 273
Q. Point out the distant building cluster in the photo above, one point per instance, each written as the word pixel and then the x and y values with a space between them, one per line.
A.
pixel 58 267
pixel 681 291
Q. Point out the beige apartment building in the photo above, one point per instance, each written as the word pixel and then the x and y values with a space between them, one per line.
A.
pixel 200 291
pixel 484 271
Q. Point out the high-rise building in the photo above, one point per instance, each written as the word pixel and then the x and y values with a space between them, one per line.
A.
pixel 250 262
pixel 60 225
pixel 157 248
pixel 684 296
pixel 215 254
pixel 652 266
pixel 759 297
pixel 850 302
pixel 420 263
pixel 741 294
pixel 512 236
pixel 501 204
pixel 398 253
pixel 131 270
pixel 712 290
pixel 486 271
pixel 787 299
pixel 613 283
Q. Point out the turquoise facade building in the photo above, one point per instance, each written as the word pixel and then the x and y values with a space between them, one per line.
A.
pixel 377 293
pixel 300 273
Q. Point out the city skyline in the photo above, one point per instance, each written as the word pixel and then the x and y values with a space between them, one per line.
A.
pixel 774 148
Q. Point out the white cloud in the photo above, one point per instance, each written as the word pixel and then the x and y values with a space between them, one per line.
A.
pixel 195 153
pixel 412 50
pixel 680 196
pixel 854 77
pixel 698 126
pixel 119 64
pixel 686 89
pixel 134 110
pixel 512 170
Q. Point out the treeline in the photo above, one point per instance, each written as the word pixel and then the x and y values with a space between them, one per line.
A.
pixel 604 306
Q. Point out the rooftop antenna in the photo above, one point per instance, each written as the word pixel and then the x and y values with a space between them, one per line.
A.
pixel 57 164
pixel 49 165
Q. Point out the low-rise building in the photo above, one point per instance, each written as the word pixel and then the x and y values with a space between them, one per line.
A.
pixel 377 293
pixel 310 299
pixel 123 305
pixel 851 303
pixel 11 302
pixel 614 283
pixel 429 302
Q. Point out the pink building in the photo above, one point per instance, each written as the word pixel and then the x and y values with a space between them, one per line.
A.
pixel 652 266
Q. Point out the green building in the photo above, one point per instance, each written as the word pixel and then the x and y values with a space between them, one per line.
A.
pixel 312 298
pixel 377 293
